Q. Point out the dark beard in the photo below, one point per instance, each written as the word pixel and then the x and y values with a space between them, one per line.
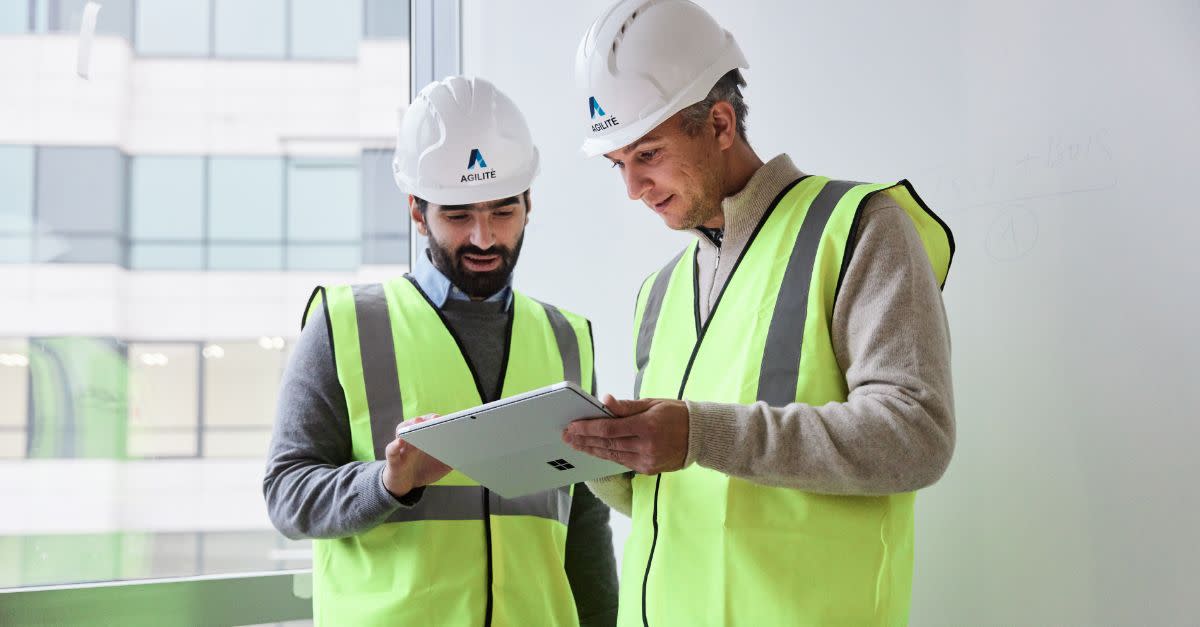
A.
pixel 475 284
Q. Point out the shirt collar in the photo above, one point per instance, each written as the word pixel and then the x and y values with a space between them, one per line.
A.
pixel 439 289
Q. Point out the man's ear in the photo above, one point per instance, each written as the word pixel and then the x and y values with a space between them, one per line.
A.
pixel 418 218
pixel 724 124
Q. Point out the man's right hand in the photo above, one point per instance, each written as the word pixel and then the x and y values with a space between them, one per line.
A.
pixel 409 468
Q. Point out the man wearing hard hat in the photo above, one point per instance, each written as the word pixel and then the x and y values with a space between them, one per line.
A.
pixel 793 378
pixel 398 537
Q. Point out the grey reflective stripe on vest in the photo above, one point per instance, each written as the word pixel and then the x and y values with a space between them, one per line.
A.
pixel 552 504
pixel 654 301
pixel 455 502
pixel 780 372
pixel 568 343
pixel 377 348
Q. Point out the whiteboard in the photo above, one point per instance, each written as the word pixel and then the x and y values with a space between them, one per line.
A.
pixel 1059 141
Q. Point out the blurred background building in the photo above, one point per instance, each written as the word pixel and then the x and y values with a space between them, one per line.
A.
pixel 161 226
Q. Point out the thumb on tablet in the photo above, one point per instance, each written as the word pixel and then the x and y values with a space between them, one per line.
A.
pixel 622 408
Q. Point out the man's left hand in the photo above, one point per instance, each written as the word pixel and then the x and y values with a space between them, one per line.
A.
pixel 648 435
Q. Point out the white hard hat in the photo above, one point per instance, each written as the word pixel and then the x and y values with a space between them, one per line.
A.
pixel 643 61
pixel 462 141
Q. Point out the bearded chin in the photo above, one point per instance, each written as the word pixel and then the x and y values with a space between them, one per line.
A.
pixel 475 284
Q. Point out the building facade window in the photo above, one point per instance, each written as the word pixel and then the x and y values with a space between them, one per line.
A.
pixel 16 204
pixel 80 204
pixel 250 30
pixel 174 28
pixel 325 30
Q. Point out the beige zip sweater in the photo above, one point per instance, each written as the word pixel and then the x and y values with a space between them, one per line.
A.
pixel 895 433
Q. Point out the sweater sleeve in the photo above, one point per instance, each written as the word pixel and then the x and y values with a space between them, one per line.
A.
pixel 895 433
pixel 313 488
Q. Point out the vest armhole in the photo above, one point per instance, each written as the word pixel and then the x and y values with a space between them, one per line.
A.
pixel 320 289
pixel 852 243
pixel 592 342
pixel 908 186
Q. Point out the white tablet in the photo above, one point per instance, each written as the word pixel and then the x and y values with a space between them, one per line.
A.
pixel 514 446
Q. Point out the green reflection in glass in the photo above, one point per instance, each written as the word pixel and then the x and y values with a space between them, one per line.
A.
pixel 80 400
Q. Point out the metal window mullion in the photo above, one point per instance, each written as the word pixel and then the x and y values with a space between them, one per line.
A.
pixel 284 257
pixel 435 45
pixel 206 212
pixel 201 378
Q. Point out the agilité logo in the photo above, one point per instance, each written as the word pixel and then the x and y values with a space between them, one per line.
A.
pixel 595 109
pixel 476 160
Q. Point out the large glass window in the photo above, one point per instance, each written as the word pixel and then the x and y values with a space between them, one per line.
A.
pixel 246 198
pixel 174 27
pixel 115 18
pixel 167 198
pixel 245 225
pixel 387 19
pixel 241 380
pixel 80 204
pixel 385 211
pixel 325 30
pixel 251 29
pixel 79 395
pixel 16 204
pixel 324 214
pixel 14 396
pixel 164 396
pixel 14 17
pixel 166 208
pixel 161 227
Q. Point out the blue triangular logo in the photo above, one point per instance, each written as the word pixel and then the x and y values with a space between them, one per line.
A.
pixel 594 107
pixel 476 160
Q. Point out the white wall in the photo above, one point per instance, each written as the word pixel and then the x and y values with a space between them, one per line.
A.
pixel 1057 139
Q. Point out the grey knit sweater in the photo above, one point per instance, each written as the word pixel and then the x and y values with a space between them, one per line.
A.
pixel 895 433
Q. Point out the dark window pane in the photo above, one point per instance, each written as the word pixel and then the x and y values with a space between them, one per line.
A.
pixel 385 207
pixel 81 190
pixel 325 30
pixel 387 19
pixel 173 27
pixel 115 17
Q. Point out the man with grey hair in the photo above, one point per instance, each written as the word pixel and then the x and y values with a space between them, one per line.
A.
pixel 793 386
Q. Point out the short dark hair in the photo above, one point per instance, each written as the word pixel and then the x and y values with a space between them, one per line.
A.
pixel 423 205
pixel 729 89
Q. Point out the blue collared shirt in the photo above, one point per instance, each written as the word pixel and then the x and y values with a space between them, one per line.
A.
pixel 439 289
